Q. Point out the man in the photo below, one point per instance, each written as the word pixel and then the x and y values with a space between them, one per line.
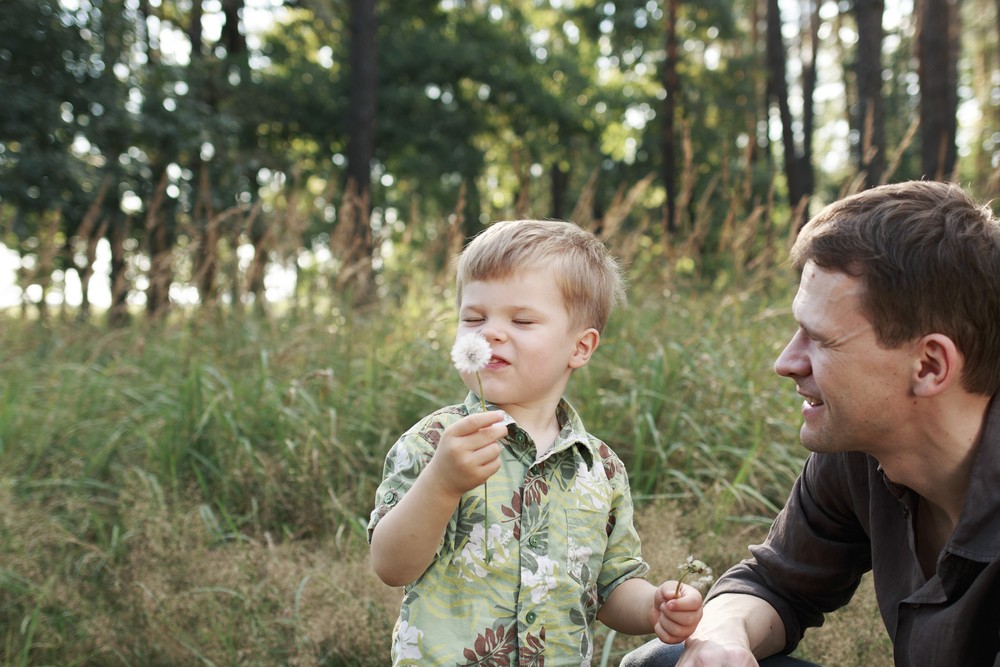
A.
pixel 897 358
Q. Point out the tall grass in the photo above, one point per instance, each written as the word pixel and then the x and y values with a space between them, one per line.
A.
pixel 196 491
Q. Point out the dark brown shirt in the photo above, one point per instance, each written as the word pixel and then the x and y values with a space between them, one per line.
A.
pixel 844 518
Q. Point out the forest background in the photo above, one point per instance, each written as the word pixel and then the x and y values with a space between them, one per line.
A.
pixel 244 213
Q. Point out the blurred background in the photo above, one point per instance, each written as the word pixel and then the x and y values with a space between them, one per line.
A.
pixel 227 234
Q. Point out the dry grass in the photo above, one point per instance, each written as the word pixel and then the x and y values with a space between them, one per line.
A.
pixel 173 593
pixel 851 637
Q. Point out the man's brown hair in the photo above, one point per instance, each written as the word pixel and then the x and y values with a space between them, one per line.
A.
pixel 929 259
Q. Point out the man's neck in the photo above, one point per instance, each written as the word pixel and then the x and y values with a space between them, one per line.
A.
pixel 936 460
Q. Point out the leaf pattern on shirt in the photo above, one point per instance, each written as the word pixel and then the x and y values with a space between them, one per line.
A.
pixel 432 434
pixel 613 466
pixel 492 647
pixel 551 556
pixel 535 490
pixel 590 489
pixel 512 512
pixel 532 654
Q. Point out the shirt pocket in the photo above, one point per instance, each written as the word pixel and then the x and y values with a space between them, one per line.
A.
pixel 582 548
pixel 585 541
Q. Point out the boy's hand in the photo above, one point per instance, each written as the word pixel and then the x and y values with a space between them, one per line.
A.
pixel 469 452
pixel 675 618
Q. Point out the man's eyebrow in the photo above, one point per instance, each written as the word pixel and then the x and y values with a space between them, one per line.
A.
pixel 812 333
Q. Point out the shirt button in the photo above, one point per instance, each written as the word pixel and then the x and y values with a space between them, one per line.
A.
pixel 530 617
pixel 533 541
pixel 390 498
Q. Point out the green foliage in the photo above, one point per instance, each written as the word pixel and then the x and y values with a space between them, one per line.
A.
pixel 198 489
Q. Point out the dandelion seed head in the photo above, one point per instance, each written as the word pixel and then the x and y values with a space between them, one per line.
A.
pixel 694 566
pixel 471 353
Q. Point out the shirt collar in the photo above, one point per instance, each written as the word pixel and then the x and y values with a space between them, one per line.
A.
pixel 977 535
pixel 571 430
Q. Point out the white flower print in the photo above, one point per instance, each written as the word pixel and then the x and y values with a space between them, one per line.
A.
pixel 591 488
pixel 408 641
pixel 541 581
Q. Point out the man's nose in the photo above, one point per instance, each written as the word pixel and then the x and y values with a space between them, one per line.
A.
pixel 792 361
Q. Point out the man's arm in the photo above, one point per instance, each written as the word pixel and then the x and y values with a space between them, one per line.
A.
pixel 735 631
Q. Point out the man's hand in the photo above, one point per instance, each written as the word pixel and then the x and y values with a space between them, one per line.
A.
pixel 734 629
pixel 706 653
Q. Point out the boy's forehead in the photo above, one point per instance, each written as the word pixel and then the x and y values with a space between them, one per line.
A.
pixel 524 290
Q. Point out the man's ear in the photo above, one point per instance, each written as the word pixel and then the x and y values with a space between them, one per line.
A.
pixel 937 366
pixel 586 343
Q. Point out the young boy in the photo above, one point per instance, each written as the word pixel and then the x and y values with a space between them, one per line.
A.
pixel 511 529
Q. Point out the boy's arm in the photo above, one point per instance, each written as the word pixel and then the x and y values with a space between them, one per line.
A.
pixel 637 607
pixel 405 540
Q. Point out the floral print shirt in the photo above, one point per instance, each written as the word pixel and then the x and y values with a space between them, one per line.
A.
pixel 527 559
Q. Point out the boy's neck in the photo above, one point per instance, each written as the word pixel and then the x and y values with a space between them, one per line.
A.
pixel 541 425
pixel 545 439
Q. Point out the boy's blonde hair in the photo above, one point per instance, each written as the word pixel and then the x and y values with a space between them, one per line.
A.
pixel 589 278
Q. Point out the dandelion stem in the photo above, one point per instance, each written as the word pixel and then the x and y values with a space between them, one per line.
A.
pixel 482 399
pixel 486 487
pixel 680 580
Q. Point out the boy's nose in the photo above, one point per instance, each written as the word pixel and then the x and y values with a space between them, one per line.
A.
pixel 493 333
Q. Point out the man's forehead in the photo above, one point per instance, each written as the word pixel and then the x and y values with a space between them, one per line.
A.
pixel 825 294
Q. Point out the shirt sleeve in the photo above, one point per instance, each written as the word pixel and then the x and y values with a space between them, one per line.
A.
pixel 404 462
pixel 623 556
pixel 816 551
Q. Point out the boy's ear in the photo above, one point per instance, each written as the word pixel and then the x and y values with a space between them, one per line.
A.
pixel 586 343
pixel 937 365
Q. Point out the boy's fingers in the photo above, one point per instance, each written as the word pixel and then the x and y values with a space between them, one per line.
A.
pixel 477 421
pixel 488 453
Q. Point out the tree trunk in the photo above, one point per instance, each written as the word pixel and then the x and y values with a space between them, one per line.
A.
pixel 759 141
pixel 89 233
pixel 361 136
pixel 560 183
pixel 668 140
pixel 206 223
pixel 234 40
pixel 778 94
pixel 195 30
pixel 160 241
pixel 119 233
pixel 809 75
pixel 938 44
pixel 870 116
